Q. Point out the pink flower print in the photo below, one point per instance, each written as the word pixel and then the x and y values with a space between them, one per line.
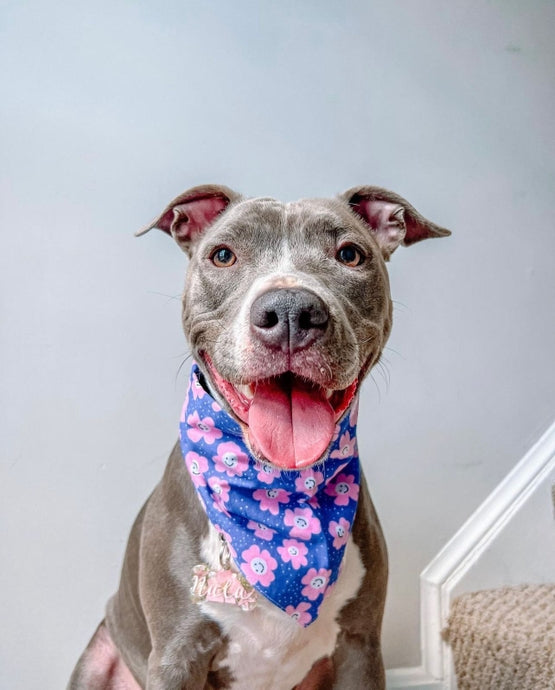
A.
pixel 302 522
pixel 202 428
pixel 346 446
pixel 216 407
pixel 316 582
pixel 309 481
pixel 343 488
pixel 340 532
pixel 293 552
pixel 198 390
pixel 353 415
pixel 196 465
pixel 271 498
pixel 336 432
pixel 261 530
pixel 230 459
pixel 258 566
pixel 220 493
pixel 266 472
pixel 299 613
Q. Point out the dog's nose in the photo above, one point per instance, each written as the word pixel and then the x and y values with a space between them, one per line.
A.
pixel 289 319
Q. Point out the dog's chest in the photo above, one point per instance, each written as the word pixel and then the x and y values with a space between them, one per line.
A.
pixel 266 648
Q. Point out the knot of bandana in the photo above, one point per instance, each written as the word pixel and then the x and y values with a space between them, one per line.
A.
pixel 286 529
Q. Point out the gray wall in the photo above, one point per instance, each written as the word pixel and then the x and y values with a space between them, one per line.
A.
pixel 523 551
pixel 109 110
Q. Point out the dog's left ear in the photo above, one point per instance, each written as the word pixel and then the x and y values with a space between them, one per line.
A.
pixel 392 220
pixel 188 215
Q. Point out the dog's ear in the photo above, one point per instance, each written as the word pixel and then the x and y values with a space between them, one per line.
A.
pixel 391 218
pixel 188 215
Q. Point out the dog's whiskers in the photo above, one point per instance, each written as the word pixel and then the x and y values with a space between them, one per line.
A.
pixel 384 371
pixel 395 352
pixel 377 386
pixel 187 357
pixel 396 303
pixel 163 294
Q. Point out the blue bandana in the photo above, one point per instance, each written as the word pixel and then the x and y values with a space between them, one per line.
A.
pixel 286 529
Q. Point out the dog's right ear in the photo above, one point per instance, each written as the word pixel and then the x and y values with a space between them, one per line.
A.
pixel 392 220
pixel 188 215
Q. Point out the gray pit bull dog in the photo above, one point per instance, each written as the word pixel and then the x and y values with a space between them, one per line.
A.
pixel 286 308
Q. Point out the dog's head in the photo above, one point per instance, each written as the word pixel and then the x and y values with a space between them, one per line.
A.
pixel 287 305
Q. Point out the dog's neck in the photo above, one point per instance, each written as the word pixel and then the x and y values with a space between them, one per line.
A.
pixel 286 529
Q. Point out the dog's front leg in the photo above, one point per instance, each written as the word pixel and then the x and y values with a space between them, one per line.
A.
pixel 355 666
pixel 358 665
pixel 183 650
pixel 177 668
pixel 184 642
pixel 357 659
pixel 182 659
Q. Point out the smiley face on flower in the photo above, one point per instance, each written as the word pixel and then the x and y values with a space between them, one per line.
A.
pixel 261 530
pixel 220 493
pixel 300 613
pixel 303 523
pixel 316 582
pixel 270 499
pixel 343 488
pixel 266 472
pixel 196 465
pixel 308 481
pixel 230 459
pixel 340 532
pixel 204 429
pixel 258 566
pixel 347 446
pixel 294 552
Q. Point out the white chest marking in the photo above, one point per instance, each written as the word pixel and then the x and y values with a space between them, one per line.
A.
pixel 267 649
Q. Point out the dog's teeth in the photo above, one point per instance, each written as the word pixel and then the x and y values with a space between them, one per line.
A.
pixel 246 390
pixel 329 393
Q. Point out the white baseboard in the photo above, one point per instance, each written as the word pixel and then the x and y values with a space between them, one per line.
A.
pixel 414 678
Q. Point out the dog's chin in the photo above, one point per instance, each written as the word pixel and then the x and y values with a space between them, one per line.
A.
pixel 289 421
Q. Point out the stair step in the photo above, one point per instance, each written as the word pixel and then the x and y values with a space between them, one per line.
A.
pixel 504 639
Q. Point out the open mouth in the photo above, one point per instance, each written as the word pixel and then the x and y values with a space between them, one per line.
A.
pixel 290 420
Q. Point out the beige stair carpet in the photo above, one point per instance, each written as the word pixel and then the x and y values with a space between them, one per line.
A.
pixel 504 639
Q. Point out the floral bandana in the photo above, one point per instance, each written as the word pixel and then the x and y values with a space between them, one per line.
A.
pixel 286 529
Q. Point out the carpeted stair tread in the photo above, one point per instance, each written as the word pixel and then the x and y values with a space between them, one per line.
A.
pixel 504 639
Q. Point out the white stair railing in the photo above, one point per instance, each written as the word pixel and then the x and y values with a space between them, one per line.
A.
pixel 441 576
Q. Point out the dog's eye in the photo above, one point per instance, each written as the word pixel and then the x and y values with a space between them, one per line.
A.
pixel 222 257
pixel 350 255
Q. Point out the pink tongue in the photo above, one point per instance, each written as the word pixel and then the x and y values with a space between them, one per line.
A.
pixel 290 425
